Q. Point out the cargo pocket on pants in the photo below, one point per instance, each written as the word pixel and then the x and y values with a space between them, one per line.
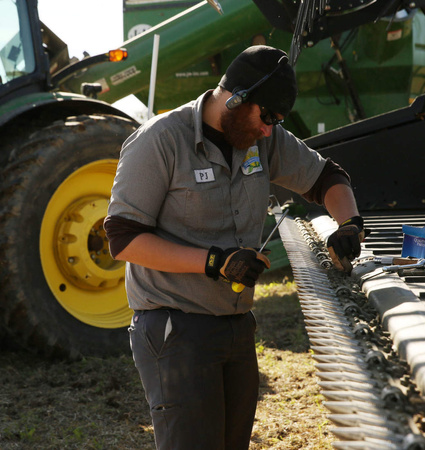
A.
pixel 165 419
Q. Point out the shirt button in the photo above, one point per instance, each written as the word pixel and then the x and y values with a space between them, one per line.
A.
pixel 240 240
pixel 236 212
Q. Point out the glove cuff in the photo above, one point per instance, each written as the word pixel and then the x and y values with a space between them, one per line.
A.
pixel 355 220
pixel 213 264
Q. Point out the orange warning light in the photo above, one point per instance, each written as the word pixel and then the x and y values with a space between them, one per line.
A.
pixel 118 55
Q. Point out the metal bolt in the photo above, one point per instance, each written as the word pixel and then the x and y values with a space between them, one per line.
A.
pixel 71 260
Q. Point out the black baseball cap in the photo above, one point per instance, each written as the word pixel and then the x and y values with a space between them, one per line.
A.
pixel 277 93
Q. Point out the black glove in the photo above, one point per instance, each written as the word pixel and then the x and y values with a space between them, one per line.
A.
pixel 240 265
pixel 344 243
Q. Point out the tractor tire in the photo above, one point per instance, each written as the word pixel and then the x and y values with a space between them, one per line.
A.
pixel 62 294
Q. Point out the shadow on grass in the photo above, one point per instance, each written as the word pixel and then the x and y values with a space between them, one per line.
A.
pixel 280 322
pixel 282 341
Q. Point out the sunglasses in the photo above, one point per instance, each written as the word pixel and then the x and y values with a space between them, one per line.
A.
pixel 268 117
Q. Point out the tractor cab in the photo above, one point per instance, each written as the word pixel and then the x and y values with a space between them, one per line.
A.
pixel 24 63
pixel 16 55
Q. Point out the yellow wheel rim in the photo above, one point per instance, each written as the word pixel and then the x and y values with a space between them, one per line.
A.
pixel 76 262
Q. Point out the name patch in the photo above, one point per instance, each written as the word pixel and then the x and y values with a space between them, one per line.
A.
pixel 204 175
pixel 251 163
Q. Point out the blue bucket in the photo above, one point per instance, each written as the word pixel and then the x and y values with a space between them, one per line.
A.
pixel 413 242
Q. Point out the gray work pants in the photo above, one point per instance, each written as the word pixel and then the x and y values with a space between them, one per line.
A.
pixel 200 377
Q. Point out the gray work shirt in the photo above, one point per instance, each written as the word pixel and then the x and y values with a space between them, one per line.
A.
pixel 172 178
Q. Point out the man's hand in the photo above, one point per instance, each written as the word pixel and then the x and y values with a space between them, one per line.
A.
pixel 239 265
pixel 344 243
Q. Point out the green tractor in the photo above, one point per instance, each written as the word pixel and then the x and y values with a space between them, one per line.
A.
pixel 61 292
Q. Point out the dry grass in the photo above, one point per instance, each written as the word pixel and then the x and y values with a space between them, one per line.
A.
pixel 290 414
pixel 99 403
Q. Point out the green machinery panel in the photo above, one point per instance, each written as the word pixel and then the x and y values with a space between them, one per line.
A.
pixel 385 61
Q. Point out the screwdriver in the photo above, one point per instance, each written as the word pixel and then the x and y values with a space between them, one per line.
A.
pixel 239 287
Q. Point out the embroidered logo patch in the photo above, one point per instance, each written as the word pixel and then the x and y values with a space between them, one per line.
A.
pixel 251 163
pixel 204 175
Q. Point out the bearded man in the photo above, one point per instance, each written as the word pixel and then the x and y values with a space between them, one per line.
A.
pixel 187 211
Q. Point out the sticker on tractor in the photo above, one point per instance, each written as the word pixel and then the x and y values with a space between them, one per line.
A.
pixel 125 75
pixel 137 29
pixel 104 84
pixel 394 35
pixel 204 73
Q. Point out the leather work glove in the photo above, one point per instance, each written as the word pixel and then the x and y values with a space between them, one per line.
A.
pixel 344 243
pixel 239 265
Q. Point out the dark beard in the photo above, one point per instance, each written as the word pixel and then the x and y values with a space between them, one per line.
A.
pixel 237 129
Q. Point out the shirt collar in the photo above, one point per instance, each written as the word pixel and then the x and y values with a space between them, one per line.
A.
pixel 197 120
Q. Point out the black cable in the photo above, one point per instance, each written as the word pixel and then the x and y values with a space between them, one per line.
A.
pixel 325 69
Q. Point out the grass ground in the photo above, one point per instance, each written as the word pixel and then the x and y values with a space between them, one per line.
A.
pixel 99 403
pixel 290 414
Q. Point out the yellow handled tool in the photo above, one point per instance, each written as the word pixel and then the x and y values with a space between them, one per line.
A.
pixel 239 287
